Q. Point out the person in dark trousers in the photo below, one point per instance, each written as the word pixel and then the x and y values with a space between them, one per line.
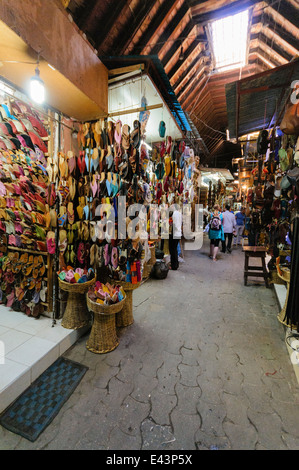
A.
pixel 229 225
pixel 175 235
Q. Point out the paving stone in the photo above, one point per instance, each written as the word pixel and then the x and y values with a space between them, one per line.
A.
pixel 241 437
pixel 204 366
pixel 205 441
pixel 131 414
pixel 155 437
pixel 212 417
pixel 269 428
pixel 187 398
pixel 122 441
pixel 184 426
pixel 161 406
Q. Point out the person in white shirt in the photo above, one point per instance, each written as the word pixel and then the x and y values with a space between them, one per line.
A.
pixel 229 225
pixel 175 237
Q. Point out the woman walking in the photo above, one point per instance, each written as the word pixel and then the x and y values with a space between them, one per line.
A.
pixel 215 232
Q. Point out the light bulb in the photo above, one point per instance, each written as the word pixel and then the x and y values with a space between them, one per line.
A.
pixel 37 88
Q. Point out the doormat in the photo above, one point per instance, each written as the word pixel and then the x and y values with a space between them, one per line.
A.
pixel 34 410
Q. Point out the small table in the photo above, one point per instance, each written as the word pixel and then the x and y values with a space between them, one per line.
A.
pixel 125 317
pixel 255 271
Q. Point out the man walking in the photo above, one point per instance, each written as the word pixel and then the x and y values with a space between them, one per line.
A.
pixel 174 237
pixel 229 225
pixel 240 224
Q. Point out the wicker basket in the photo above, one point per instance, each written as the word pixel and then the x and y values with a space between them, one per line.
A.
pixel 128 286
pixel 153 255
pixel 78 288
pixel 284 274
pixel 104 309
pixel 275 278
pixel 103 337
pixel 76 314
pixel 147 269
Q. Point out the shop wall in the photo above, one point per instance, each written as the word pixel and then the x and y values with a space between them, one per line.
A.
pixel 46 28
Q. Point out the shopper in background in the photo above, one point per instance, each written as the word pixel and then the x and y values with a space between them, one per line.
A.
pixel 240 224
pixel 175 224
pixel 216 231
pixel 229 225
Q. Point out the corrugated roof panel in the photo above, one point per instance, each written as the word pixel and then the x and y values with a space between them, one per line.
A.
pixel 262 99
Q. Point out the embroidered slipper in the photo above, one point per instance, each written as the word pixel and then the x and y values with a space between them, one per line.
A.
pixel 110 132
pixel 81 162
pixel 71 160
pixel 95 159
pixel 51 245
pixel 106 254
pixel 70 213
pixel 80 253
pixel 135 134
pixel 114 257
pixel 169 145
pixel 109 159
pixel 62 217
pixel 117 132
pixel 96 133
pixel 167 164
pixel 125 141
pixel 72 187
pixel 63 241
pixel 88 159
pixel 94 186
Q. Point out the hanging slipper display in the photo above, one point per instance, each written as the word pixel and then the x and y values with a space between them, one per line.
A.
pixel 125 141
pixel 162 129
pixel 135 134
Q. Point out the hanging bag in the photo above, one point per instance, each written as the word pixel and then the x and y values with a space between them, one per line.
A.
pixel 215 223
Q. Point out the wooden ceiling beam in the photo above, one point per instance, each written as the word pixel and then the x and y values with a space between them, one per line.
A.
pixel 195 69
pixel 176 35
pixel 272 54
pixel 211 10
pixel 156 28
pixel 259 47
pixel 278 17
pixel 287 10
pixel 272 35
pixel 177 21
pixel 257 54
pixel 288 36
pixel 187 99
pixel 169 60
pixel 139 33
pixel 191 54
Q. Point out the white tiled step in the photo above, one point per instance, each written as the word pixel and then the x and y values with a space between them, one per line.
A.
pixel 281 292
pixel 28 346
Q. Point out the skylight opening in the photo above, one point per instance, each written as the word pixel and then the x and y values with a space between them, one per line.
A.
pixel 229 36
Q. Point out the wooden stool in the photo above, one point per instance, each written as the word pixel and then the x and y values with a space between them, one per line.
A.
pixel 255 271
pixel 102 338
pixel 76 314
pixel 125 317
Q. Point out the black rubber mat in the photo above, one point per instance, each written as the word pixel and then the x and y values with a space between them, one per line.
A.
pixel 33 411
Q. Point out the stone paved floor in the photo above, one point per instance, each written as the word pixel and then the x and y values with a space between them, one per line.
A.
pixel 204 366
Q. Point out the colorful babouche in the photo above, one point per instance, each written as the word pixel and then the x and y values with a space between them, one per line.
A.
pixel 106 294
pixel 76 276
